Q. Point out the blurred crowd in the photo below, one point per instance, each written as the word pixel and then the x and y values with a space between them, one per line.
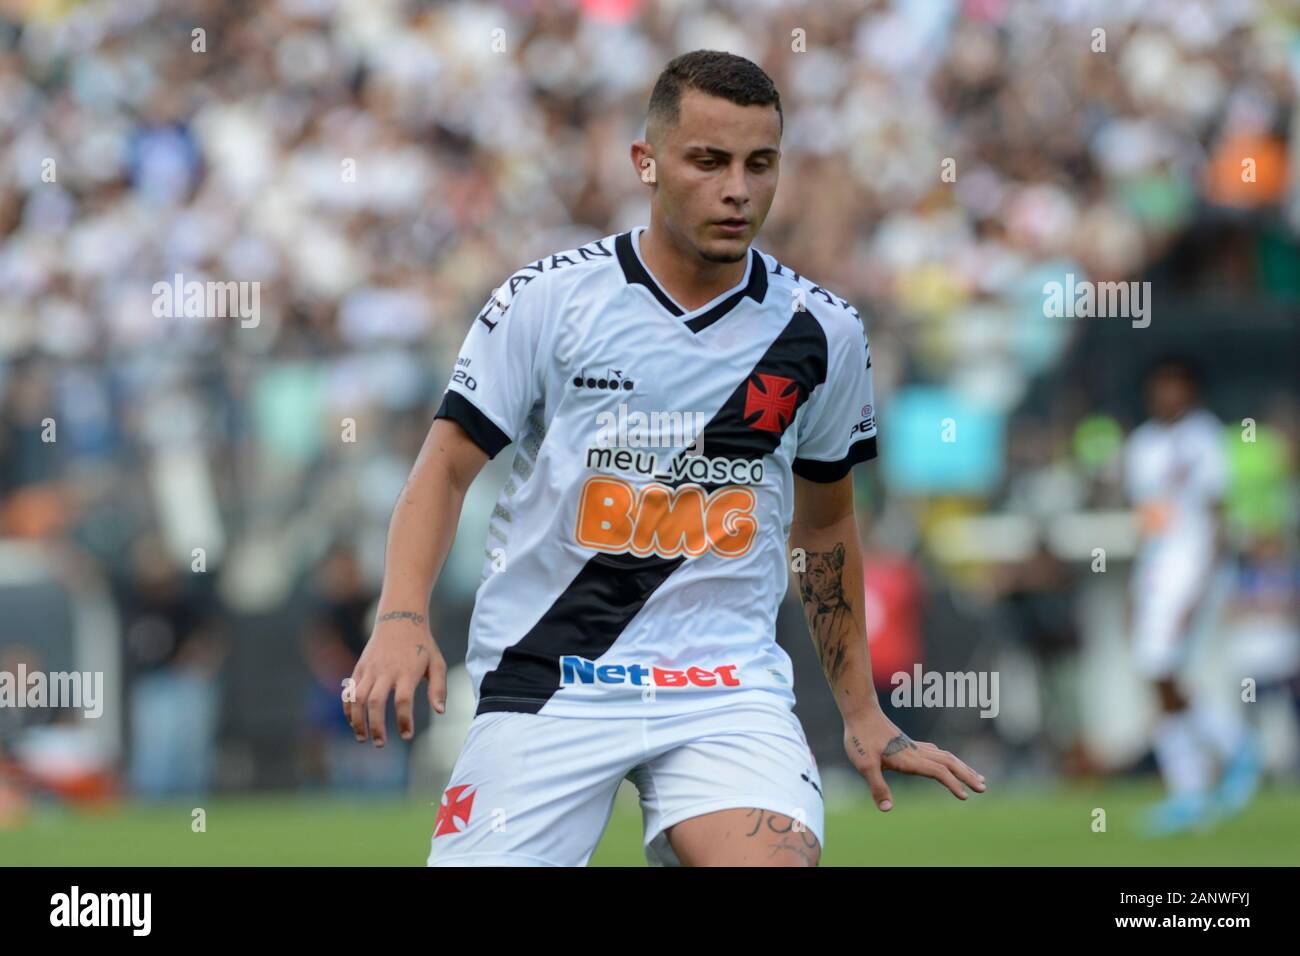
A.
pixel 378 166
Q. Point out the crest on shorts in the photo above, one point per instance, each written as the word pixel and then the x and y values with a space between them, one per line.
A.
pixel 453 814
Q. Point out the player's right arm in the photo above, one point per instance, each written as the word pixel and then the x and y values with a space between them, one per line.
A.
pixel 497 380
pixel 401 651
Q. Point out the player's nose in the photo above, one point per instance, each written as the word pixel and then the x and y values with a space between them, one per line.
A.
pixel 735 186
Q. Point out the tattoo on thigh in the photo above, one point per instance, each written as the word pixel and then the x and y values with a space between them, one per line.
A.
pixel 781 824
pixel 790 845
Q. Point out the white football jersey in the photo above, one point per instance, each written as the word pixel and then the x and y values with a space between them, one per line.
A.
pixel 1184 465
pixel 636 556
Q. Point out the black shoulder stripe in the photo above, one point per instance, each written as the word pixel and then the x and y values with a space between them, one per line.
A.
pixel 824 471
pixel 477 425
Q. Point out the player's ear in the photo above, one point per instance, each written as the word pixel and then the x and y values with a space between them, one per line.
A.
pixel 644 161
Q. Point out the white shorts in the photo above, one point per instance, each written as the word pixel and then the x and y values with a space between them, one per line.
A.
pixel 1162 592
pixel 1159 642
pixel 533 790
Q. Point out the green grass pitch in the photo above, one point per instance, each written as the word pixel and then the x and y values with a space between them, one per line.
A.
pixel 1049 827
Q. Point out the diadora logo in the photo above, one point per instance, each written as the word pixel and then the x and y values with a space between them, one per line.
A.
pixel 772 398
pixel 615 517
pixel 611 379
pixel 579 670
pixel 453 814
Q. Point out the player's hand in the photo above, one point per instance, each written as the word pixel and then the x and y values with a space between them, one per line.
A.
pixel 400 653
pixel 875 744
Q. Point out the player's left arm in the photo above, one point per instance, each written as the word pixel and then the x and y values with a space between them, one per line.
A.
pixel 831 590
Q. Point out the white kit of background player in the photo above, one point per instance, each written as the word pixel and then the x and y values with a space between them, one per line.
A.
pixel 1176 473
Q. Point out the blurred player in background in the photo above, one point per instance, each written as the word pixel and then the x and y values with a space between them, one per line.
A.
pixel 1176 474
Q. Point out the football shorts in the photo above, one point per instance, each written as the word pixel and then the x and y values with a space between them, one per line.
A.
pixel 1163 590
pixel 536 790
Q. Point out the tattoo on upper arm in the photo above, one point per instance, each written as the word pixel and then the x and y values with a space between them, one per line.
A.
pixel 830 619
pixel 411 616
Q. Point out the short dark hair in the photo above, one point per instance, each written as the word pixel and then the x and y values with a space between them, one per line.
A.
pixel 731 77
pixel 1179 365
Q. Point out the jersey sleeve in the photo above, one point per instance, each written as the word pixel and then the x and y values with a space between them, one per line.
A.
pixel 838 427
pixel 497 378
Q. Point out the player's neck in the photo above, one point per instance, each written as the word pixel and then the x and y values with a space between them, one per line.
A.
pixel 690 280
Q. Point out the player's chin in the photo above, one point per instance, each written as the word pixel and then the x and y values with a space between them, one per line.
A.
pixel 717 248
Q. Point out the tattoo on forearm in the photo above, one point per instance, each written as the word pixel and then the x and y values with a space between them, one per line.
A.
pixel 829 617
pixel 411 616
pixel 900 743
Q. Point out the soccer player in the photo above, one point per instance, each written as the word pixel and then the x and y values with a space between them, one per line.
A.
pixel 1176 472
pixel 681 403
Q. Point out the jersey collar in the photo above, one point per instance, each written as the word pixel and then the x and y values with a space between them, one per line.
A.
pixel 635 272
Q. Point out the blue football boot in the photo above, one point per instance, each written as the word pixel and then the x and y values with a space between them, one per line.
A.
pixel 1178 814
